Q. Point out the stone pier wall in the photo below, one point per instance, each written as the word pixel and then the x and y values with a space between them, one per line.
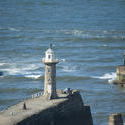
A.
pixel 120 70
pixel 67 110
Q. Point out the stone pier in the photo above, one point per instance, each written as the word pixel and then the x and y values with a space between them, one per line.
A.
pixel 68 109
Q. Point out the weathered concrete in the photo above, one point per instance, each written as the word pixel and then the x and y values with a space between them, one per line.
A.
pixel 120 70
pixel 115 119
pixel 67 109
pixel 120 78
pixel 50 81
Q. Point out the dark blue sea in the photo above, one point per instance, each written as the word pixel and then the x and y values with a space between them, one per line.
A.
pixel 88 35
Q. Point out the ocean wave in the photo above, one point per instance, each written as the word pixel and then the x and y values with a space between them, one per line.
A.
pixel 71 78
pixel 9 28
pixel 14 69
pixel 3 28
pixel 96 34
pixel 7 101
pixel 33 76
pixel 1 76
pixel 32 90
pixel 30 71
pixel 109 76
pixel 13 29
pixel 69 69
pixel 84 34
pixel 104 45
pixel 30 75
pixel 62 60
pixel 9 90
pixel 31 67
pixel 1 64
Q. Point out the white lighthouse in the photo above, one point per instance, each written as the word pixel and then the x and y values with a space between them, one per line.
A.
pixel 50 74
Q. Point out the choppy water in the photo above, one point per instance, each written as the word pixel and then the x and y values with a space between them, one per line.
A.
pixel 88 35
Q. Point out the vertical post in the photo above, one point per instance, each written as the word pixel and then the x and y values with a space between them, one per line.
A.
pixel 51 45
pixel 124 58
pixel 24 106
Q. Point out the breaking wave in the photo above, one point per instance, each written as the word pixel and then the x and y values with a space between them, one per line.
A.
pixel 1 64
pixel 109 76
pixel 32 76
pixel 69 69
pixel 30 71
pixel 86 34
pixel 95 34
pixel 13 29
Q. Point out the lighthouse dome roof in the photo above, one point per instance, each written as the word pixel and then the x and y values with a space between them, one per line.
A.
pixel 49 51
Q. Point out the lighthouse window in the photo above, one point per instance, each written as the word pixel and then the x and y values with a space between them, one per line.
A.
pixel 49 56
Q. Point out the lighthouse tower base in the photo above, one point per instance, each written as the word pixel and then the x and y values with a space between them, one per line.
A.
pixel 50 96
pixel 50 80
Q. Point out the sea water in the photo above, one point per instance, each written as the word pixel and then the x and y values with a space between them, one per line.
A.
pixel 88 35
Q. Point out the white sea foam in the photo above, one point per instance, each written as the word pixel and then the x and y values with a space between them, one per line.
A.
pixel 31 67
pixel 105 45
pixel 78 32
pixel 25 73
pixel 1 64
pixel 15 69
pixel 109 76
pixel 63 60
pixel 69 69
pixel 28 71
pixel 105 31
pixel 82 34
pixel 33 76
pixel 11 71
pixel 95 34
pixel 13 29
